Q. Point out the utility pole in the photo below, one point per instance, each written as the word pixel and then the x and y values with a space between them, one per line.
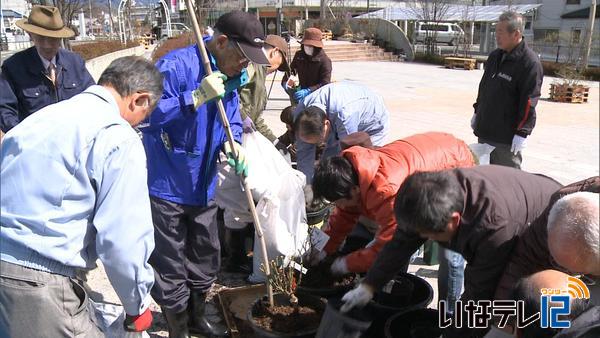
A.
pixel 278 19
pixel 110 18
pixel 91 22
pixel 323 13
pixel 590 32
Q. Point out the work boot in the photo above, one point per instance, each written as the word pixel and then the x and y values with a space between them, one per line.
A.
pixel 177 323
pixel 199 323
pixel 237 259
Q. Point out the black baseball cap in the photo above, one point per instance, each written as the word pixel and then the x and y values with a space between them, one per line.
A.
pixel 245 29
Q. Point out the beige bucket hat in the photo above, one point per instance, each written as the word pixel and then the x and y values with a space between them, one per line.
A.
pixel 45 21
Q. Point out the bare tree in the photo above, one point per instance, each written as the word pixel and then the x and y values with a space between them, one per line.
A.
pixel 68 11
pixel 467 22
pixel 203 9
pixel 433 11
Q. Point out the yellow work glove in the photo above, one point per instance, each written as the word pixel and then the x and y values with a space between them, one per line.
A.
pixel 237 162
pixel 212 86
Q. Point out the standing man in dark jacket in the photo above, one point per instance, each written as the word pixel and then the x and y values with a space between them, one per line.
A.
pixel 478 212
pixel 43 74
pixel 508 93
pixel 311 64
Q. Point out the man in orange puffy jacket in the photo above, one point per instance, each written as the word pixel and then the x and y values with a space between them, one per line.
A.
pixel 364 182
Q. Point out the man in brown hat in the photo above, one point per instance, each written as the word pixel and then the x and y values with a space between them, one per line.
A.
pixel 311 64
pixel 43 74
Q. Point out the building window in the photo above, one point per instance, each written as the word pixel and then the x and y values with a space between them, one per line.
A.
pixel 545 35
pixel 576 36
pixel 573 2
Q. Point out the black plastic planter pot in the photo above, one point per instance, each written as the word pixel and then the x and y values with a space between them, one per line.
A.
pixel 327 292
pixel 407 293
pixel 420 323
pixel 314 217
pixel 336 324
pixel 280 299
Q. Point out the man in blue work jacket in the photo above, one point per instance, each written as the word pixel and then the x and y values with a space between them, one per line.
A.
pixel 41 75
pixel 331 113
pixel 183 139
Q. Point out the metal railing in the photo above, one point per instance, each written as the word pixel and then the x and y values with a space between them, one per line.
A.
pixel 16 42
pixel 564 53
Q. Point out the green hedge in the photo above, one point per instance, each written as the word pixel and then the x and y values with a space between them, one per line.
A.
pixel 429 58
pixel 94 49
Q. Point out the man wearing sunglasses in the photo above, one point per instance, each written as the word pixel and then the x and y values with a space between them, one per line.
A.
pixel 183 138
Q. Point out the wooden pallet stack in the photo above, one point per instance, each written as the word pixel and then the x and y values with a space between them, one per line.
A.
pixel 562 92
pixel 456 62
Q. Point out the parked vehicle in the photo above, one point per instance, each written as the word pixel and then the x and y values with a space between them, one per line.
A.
pixel 442 32
pixel 176 29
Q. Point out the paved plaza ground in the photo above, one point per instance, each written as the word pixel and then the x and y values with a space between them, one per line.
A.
pixel 420 98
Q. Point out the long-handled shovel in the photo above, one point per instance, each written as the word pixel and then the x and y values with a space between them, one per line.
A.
pixel 226 126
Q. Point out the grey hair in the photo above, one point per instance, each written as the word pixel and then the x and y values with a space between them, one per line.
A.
pixel 576 217
pixel 515 21
pixel 133 74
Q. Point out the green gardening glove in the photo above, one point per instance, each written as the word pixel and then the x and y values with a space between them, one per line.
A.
pixel 212 86
pixel 240 164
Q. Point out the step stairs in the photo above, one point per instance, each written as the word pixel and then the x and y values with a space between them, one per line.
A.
pixel 339 51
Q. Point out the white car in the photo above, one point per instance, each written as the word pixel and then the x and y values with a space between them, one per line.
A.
pixel 442 32
pixel 176 29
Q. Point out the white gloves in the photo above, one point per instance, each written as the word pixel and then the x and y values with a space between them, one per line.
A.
pixel 358 297
pixel 518 144
pixel 473 121
pixel 308 194
pixel 339 266
pixel 212 86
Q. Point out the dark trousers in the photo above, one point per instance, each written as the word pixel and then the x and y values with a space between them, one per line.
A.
pixel 187 253
pixel 502 155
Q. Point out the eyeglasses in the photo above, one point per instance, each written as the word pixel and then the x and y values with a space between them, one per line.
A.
pixel 239 53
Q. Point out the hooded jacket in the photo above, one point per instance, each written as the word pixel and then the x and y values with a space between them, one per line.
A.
pixel 380 172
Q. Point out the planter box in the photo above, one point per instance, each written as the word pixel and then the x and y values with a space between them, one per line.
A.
pixel 235 304
pixel 569 94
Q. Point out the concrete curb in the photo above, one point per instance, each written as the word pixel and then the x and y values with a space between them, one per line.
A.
pixel 97 65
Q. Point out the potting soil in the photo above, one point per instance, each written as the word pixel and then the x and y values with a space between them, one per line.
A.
pixel 287 319
pixel 320 276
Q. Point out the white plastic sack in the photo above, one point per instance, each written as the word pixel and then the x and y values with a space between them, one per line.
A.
pixel 110 318
pixel 278 189
pixel 482 151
